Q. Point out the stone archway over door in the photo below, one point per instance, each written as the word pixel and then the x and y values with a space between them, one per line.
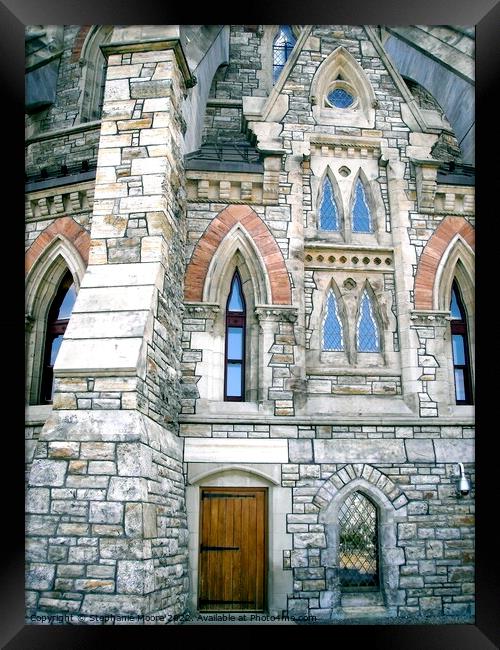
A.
pixel 232 573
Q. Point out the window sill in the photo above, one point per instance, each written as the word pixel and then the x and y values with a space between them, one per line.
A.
pixel 228 408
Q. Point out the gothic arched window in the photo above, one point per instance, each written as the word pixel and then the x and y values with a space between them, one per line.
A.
pixel 283 44
pixel 367 331
pixel 57 321
pixel 358 543
pixel 234 380
pixel 333 332
pixel 460 347
pixel 328 211
pixel 361 215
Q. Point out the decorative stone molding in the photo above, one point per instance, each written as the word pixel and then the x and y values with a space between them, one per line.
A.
pixel 454 200
pixel 426 177
pixel 338 146
pixel 273 312
pixel 429 317
pixel 227 187
pixel 201 310
pixel 362 258
pixel 66 199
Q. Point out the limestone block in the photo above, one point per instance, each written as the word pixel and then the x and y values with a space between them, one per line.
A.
pixel 38 500
pixel 157 104
pixel 40 576
pixel 95 585
pixel 134 459
pixel 148 89
pixel 152 183
pixel 107 325
pixel 93 427
pixel 419 451
pixel 133 520
pixel 235 450
pixel 98 354
pixel 127 489
pixel 59 449
pixel 102 467
pixel 101 604
pixel 64 401
pixel 150 203
pixel 105 299
pixel 359 451
pixel 123 71
pixel 155 136
pixel 82 555
pixel 116 89
pixel 309 540
pixel 118 275
pixel 141 166
pixel 105 512
pixel 152 249
pixel 109 225
pixel 454 451
pixel 48 472
pixel 110 190
pixel 111 384
pixel 97 450
pixel 98 253
pixel 300 451
pixel 131 125
pixel 135 577
pixel 118 109
pixel 283 431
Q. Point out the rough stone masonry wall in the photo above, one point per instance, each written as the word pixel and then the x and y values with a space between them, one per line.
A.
pixel 106 518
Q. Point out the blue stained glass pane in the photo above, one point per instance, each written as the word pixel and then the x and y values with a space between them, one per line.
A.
pixel 67 304
pixel 333 335
pixel 56 344
pixel 340 98
pixel 235 343
pixel 460 394
pixel 235 302
pixel 234 376
pixel 328 213
pixel 454 307
pixel 282 46
pixel 361 217
pixel 367 330
pixel 458 350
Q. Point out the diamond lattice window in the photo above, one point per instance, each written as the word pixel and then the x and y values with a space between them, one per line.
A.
pixel 358 549
pixel 340 98
pixel 328 213
pixel 367 335
pixel 284 43
pixel 333 334
pixel 361 216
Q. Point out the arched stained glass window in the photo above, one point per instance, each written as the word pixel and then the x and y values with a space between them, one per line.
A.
pixel 328 212
pixel 367 334
pixel 57 321
pixel 358 543
pixel 234 382
pixel 333 333
pixel 361 216
pixel 460 347
pixel 283 44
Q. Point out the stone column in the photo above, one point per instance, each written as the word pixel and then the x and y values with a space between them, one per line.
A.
pixel 106 522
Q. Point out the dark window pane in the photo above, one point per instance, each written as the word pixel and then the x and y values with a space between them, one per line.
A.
pixel 328 208
pixel 458 350
pixel 234 377
pixel 361 217
pixel 358 552
pixel 340 98
pixel 67 304
pixel 235 302
pixel 460 385
pixel 235 343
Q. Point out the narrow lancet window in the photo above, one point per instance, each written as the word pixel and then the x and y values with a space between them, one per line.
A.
pixel 361 216
pixel 328 212
pixel 358 543
pixel 460 347
pixel 283 44
pixel 234 382
pixel 57 321
pixel 333 333
pixel 367 334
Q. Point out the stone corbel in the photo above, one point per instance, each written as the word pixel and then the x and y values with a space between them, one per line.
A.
pixel 430 317
pixel 426 177
pixel 270 188
pixel 207 310
pixel 276 313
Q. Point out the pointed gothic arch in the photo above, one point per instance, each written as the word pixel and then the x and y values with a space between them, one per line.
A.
pixel 427 289
pixel 339 315
pixel 371 317
pixel 269 255
pixel 340 70
pixel 329 183
pixel 93 76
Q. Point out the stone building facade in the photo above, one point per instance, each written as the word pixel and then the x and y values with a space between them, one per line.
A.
pixel 163 162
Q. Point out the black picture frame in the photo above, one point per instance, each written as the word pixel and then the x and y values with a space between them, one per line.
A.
pixel 14 15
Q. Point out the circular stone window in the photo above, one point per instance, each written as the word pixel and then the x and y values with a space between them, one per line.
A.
pixel 340 98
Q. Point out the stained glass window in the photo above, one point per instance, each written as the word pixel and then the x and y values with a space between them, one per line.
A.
pixel 361 217
pixel 282 46
pixel 333 334
pixel 460 349
pixel 367 335
pixel 358 542
pixel 234 384
pixel 340 98
pixel 328 213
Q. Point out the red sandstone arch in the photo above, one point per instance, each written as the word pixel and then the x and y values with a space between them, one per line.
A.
pixel 78 44
pixel 273 258
pixel 65 226
pixel 432 254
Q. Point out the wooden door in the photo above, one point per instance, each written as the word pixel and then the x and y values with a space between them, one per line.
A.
pixel 232 566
